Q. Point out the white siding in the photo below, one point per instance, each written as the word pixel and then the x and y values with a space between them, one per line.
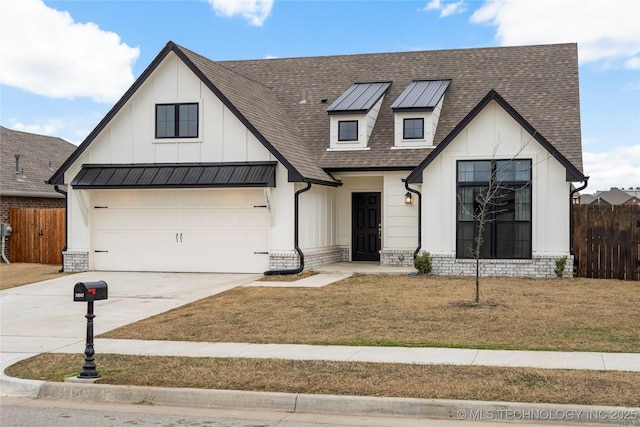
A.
pixel 495 134
pixel 318 217
pixel 399 218
pixel 130 138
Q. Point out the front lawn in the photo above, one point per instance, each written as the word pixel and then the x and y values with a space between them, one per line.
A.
pixel 558 314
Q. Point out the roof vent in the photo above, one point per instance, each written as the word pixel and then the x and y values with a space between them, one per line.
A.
pixel 19 171
pixel 304 96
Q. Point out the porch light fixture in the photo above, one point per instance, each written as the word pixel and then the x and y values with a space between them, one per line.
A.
pixel 407 198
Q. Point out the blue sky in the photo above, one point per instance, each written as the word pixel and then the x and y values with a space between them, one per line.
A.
pixel 64 63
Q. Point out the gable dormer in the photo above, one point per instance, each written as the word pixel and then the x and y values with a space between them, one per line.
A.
pixel 353 115
pixel 416 113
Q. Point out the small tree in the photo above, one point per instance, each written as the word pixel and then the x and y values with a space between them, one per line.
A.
pixel 490 201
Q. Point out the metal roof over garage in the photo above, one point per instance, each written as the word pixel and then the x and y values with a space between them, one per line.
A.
pixel 421 94
pixel 172 175
pixel 360 97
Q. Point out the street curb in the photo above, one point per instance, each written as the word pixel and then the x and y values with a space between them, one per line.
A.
pixel 10 386
pixel 344 405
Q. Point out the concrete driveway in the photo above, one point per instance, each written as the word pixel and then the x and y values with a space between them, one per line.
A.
pixel 42 317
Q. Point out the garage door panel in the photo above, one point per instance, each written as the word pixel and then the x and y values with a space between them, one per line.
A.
pixel 190 230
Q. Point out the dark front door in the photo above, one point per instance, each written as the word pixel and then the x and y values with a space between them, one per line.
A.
pixel 366 223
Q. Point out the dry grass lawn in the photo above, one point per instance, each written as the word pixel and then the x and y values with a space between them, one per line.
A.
pixel 344 378
pixel 565 315
pixel 20 273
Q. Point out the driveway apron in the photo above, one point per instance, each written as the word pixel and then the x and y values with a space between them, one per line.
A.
pixel 42 317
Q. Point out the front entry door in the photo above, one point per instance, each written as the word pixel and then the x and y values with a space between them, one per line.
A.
pixel 366 223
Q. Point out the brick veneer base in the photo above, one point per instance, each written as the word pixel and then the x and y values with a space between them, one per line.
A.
pixel 396 258
pixel 312 258
pixel 537 267
pixel 75 261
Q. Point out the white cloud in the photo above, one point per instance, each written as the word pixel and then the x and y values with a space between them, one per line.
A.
pixel 618 168
pixel 446 9
pixel 254 11
pixel 605 31
pixel 45 52
pixel 52 127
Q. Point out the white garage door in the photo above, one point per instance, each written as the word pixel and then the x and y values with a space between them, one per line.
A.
pixel 180 230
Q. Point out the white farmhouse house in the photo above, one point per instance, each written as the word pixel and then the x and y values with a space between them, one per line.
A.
pixel 280 165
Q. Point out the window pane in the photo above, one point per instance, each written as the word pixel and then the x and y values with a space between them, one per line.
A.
pixel 165 121
pixel 513 240
pixel 188 124
pixel 466 240
pixel 513 170
pixel 523 204
pixel 348 130
pixel 413 129
pixel 474 171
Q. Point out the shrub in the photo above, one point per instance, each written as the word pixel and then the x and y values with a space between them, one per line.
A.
pixel 422 263
pixel 561 263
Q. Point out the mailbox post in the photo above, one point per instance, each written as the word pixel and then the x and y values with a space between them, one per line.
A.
pixel 89 292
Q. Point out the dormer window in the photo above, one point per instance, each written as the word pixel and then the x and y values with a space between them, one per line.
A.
pixel 413 128
pixel 347 130
pixel 353 115
pixel 416 113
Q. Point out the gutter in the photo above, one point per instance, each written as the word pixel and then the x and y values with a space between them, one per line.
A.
pixel 571 248
pixel 66 222
pixel 416 192
pixel 295 237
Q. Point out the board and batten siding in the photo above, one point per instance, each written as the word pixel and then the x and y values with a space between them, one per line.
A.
pixel 129 138
pixel 495 134
pixel 318 217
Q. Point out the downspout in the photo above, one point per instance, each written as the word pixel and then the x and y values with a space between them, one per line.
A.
pixel 296 214
pixel 406 185
pixel 571 248
pixel 66 223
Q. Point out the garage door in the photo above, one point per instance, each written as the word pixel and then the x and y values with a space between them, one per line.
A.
pixel 180 230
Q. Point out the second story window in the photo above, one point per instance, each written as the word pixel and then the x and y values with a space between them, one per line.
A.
pixel 177 120
pixel 413 128
pixel 348 130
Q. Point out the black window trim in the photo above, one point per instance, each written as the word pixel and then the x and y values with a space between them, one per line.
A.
pixel 357 130
pixel 404 129
pixel 513 185
pixel 177 120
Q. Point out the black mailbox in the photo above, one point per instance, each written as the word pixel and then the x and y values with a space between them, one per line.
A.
pixel 90 291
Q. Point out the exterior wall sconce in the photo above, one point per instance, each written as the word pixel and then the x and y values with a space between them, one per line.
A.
pixel 407 198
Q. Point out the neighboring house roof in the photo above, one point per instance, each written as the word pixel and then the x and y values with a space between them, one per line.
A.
pixel 39 156
pixel 614 196
pixel 539 82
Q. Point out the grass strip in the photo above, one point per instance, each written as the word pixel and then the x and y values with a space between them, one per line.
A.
pixel 578 387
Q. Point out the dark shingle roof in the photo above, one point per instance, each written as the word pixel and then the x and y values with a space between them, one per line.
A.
pixel 39 155
pixel 539 82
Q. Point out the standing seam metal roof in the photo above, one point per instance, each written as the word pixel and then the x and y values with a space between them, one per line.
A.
pixel 359 97
pixel 421 94
pixel 205 175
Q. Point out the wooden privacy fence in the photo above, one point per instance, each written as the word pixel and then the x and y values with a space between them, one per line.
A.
pixel 606 240
pixel 38 235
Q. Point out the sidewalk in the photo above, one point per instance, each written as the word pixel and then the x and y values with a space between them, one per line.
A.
pixel 419 356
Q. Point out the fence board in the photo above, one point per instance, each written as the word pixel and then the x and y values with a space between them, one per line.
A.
pixel 38 235
pixel 606 241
